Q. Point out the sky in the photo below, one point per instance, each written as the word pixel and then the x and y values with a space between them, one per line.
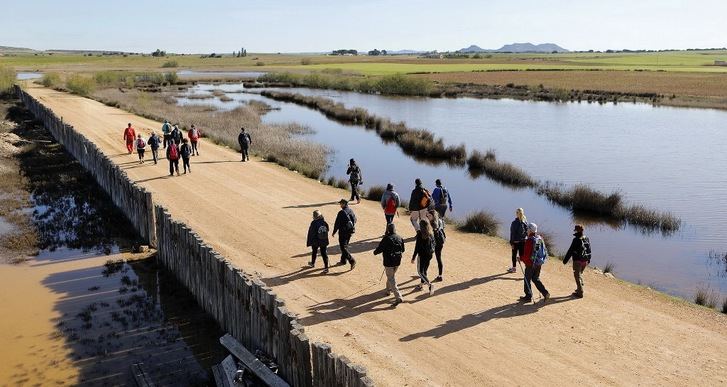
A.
pixel 184 26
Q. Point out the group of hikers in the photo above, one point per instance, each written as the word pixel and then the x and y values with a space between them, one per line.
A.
pixel 427 211
pixel 176 145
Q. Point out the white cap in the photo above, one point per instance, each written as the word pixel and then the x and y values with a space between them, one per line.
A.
pixel 533 227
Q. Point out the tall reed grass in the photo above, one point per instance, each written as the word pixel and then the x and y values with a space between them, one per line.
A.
pixel 275 143
pixel 480 222
pixel 7 79
pixel 503 172
pixel 80 84
pixel 394 84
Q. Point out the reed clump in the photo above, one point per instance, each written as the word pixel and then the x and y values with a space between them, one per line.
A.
pixel 7 79
pixel 50 80
pixel 486 163
pixel 80 84
pixel 375 192
pixel 394 84
pixel 705 296
pixel 480 222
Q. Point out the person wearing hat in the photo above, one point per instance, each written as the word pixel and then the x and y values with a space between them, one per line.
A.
pixel 532 270
pixel 355 178
pixel 392 247
pixel 389 203
pixel 580 251
pixel 345 225
pixel 245 141
pixel 318 239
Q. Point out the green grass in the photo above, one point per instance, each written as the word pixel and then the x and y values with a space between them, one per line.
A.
pixel 7 79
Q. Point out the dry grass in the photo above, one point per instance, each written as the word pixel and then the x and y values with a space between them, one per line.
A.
pixel 503 172
pixel 275 143
pixel 705 296
pixel 481 222
pixel 375 192
pixel 7 79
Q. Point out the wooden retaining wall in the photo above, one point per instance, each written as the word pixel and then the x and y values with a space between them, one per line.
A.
pixel 243 306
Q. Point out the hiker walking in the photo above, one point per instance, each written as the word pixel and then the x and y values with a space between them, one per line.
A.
pixel 245 141
pixel 355 178
pixel 442 198
pixel 580 251
pixel 185 151
pixel 423 251
pixel 166 133
pixel 318 239
pixel 176 135
pixel 140 148
pixel 389 203
pixel 194 136
pixel 518 233
pixel 129 138
pixel 392 247
pixel 154 142
pixel 173 157
pixel 439 237
pixel 345 225
pixel 419 203
pixel 534 257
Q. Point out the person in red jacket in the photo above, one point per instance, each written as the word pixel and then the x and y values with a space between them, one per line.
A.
pixel 194 136
pixel 532 271
pixel 129 137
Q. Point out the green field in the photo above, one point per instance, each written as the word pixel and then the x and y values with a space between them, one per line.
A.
pixel 681 61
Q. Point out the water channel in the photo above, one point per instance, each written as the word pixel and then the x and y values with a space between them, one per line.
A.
pixel 669 159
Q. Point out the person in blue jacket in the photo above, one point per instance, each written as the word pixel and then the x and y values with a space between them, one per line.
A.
pixel 442 199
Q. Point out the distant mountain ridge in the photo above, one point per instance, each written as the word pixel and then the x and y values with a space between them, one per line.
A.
pixel 517 47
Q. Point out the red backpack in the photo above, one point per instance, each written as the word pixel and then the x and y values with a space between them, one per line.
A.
pixel 140 144
pixel 390 205
pixel 173 152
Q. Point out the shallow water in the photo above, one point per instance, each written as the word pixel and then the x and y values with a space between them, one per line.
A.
pixel 185 74
pixel 84 310
pixel 24 76
pixel 666 158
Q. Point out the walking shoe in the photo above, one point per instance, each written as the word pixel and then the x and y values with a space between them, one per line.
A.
pixel 310 264
pixel 388 292
pixel 546 296
pixel 438 279
pixel 577 295
pixel 325 271
pixel 341 263
pixel 396 302
pixel 431 289
pixel 525 299
pixel 512 270
pixel 353 265
pixel 418 288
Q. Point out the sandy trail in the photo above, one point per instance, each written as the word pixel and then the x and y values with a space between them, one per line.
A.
pixel 471 332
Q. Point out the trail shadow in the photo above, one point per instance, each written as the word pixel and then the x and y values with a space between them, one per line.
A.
pixel 214 162
pixel 456 287
pixel 304 272
pixel 343 308
pixel 514 309
pixel 312 205
pixel 166 176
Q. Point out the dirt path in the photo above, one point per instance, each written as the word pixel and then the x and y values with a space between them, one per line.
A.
pixel 471 332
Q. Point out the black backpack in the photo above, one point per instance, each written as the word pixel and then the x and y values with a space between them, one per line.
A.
pixel 585 250
pixel 323 233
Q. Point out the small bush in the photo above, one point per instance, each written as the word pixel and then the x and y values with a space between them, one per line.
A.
pixel 609 267
pixel 481 222
pixel 7 79
pixel 375 192
pixel 81 85
pixel 724 306
pixel 548 239
pixel 342 184
pixel 259 63
pixel 404 203
pixel 171 78
pixel 305 61
pixel 400 84
pixel 170 64
pixel 706 297
pixel 50 80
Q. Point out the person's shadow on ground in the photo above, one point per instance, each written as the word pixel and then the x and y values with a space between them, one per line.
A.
pixel 514 309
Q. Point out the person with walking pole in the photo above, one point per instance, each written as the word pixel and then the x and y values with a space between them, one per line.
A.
pixel 423 251
pixel 318 239
pixel 392 247
pixel 244 140
pixel 345 225
pixel 534 257
pixel 580 251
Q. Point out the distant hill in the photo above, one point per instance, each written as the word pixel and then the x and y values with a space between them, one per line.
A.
pixel 7 49
pixel 517 47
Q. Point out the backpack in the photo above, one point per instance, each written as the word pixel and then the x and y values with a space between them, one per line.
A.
pixel 585 253
pixel 193 134
pixel 444 197
pixel 390 205
pixel 540 252
pixel 173 152
pixel 140 143
pixel 426 200
pixel 355 174
pixel 323 233
pixel 350 226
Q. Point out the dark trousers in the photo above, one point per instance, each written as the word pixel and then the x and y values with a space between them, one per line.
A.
pixel 438 255
pixel 343 240
pixel 155 154
pixel 194 148
pixel 185 164
pixel 423 266
pixel 324 255
pixel 245 155
pixel 441 210
pixel 532 274
pixel 354 191
pixel 140 151
pixel 167 140
pixel 173 166
pixel 389 218
pixel 517 248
